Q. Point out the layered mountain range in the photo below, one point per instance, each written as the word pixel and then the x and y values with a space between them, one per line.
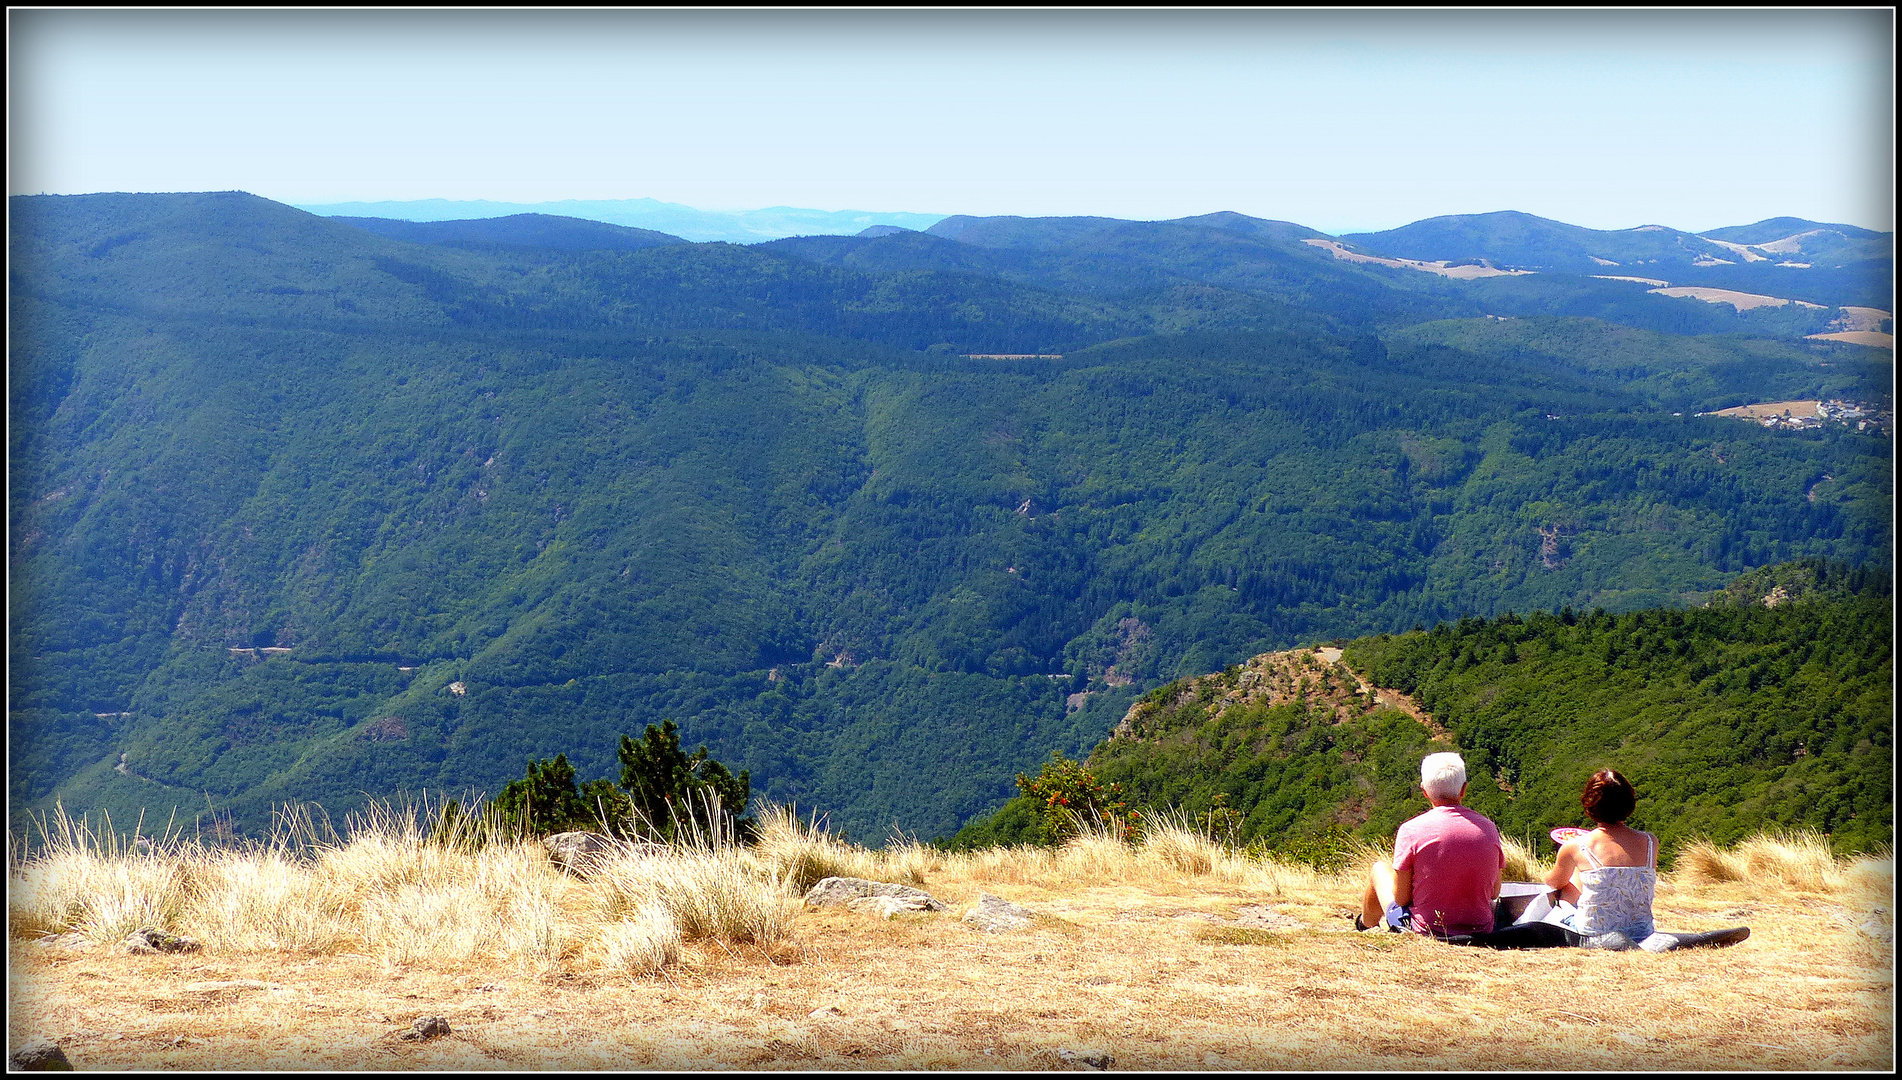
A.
pixel 307 508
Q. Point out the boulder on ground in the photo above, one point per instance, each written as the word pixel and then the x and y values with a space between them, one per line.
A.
pixel 841 891
pixel 150 940
pixel 39 1057
pixel 65 942
pixel 995 915
pixel 426 1027
pixel 1089 1059
pixel 583 852
pixel 887 906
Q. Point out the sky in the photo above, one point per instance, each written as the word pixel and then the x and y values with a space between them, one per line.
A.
pixel 1343 120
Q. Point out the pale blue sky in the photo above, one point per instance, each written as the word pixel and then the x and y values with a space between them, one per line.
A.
pixel 1341 120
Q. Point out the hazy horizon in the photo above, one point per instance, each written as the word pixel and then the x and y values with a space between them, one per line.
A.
pixel 500 208
pixel 1342 121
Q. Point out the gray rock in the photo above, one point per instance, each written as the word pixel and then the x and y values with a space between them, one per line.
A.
pixel 841 891
pixel 38 1057
pixel 886 907
pixel 1089 1059
pixel 64 942
pixel 583 852
pixel 824 1011
pixel 427 1027
pixel 996 915
pixel 153 940
pixel 578 851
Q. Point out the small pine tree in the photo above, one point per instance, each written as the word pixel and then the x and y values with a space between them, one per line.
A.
pixel 545 801
pixel 667 787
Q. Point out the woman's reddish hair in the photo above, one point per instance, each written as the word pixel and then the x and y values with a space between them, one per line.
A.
pixel 1609 798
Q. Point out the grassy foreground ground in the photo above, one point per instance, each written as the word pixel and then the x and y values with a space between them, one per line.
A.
pixel 1171 955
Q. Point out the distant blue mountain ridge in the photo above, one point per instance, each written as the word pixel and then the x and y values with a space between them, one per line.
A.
pixel 1502 238
pixel 700 226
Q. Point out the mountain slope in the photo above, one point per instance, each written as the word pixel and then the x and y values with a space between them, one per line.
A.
pixel 497 507
pixel 1793 259
pixel 1769 709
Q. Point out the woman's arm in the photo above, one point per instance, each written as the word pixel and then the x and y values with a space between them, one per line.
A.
pixel 1562 869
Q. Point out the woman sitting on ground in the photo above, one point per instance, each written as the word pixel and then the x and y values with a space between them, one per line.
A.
pixel 1611 872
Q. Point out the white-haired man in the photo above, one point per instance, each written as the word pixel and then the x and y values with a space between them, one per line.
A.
pixel 1447 863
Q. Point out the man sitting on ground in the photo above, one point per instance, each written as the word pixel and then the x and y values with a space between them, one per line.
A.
pixel 1447 863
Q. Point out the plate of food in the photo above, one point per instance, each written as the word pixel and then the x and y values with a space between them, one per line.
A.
pixel 1566 833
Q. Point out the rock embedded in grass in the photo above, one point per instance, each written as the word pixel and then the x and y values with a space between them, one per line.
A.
pixel 583 852
pixel 66 942
pixel 39 1057
pixel 426 1027
pixel 886 907
pixel 843 891
pixel 151 940
pixel 995 915
pixel 1089 1059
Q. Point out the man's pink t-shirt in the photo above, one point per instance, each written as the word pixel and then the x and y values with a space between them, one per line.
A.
pixel 1454 854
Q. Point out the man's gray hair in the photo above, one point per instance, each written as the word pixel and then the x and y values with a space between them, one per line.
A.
pixel 1443 775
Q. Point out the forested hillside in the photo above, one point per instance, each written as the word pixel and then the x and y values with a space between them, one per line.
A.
pixel 300 511
pixel 1770 708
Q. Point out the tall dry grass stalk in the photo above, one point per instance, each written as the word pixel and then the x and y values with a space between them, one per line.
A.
pixel 93 882
pixel 1798 859
pixel 802 853
pixel 387 886
pixel 1869 884
pixel 1169 850
pixel 1522 864
pixel 644 944
pixel 1170 840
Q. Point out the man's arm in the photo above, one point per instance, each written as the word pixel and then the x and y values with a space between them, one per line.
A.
pixel 1403 886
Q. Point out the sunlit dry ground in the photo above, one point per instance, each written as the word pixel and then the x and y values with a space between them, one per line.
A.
pixel 1162 970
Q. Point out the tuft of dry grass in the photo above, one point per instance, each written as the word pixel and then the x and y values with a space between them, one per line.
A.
pixel 1799 859
pixel 1522 864
pixel 389 890
pixel 803 853
pixel 707 893
pixel 1169 839
pixel 643 945
pixel 93 883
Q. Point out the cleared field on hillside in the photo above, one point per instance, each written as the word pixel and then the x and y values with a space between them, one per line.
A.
pixel 1742 301
pixel 1772 408
pixel 1874 338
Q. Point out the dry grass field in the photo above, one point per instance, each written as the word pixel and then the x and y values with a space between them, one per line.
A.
pixel 1873 338
pixel 1440 267
pixel 1742 301
pixel 1171 955
pixel 1772 408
